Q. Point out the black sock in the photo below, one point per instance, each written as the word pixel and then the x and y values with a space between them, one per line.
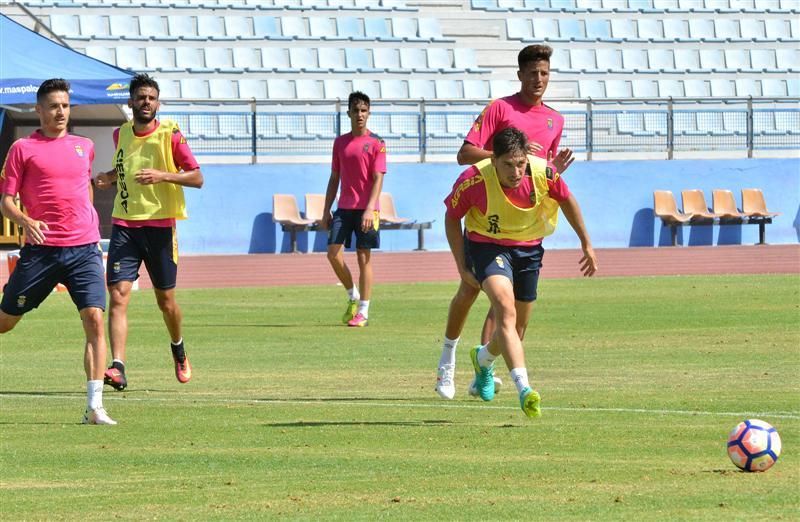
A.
pixel 177 351
pixel 119 366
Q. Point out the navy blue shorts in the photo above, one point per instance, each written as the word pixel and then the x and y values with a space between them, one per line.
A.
pixel 520 264
pixel 156 246
pixel 40 268
pixel 345 223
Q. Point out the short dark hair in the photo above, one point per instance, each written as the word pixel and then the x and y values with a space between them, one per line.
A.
pixel 355 97
pixel 534 53
pixel 508 140
pixel 143 80
pixel 51 85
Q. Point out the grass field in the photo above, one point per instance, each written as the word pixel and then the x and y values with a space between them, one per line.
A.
pixel 290 414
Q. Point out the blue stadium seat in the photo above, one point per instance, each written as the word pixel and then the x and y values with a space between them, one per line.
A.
pixel 655 123
pixel 747 87
pixel 600 30
pixel 274 59
pixel 247 58
pixel 742 5
pixel 635 60
pixel 711 123
pixel 414 59
pixel 421 89
pixel 293 126
pixel 583 60
pixel 280 89
pixel 651 30
pixel 764 60
pixel 778 29
pixel 666 5
pixel 519 29
pixel 220 59
pixel 728 30
pixel 191 59
pixel 439 59
pixel 676 29
pixel 268 27
pixel 752 29
pixel 332 59
pixel 787 122
pixel 764 123
pixel 610 60
pixel 125 27
pixel 559 60
pixel 546 29
pixel 713 60
pixel 234 126
pixel 182 27
pixel 309 89
pixel 131 58
pixel 459 124
pixel 194 89
pixel 625 29
pixel 240 28
pixel 323 28
pixel 304 59
pixel 475 89
pixel 464 59
pixel 697 88
pixel 429 29
pixel 572 30
pixel 702 29
pixel 349 27
pixel 378 29
pixel 406 29
pixel 337 89
pixel 737 59
pixel 670 88
pixel 296 28
pixel 661 59
pixel 788 59
pixel 95 26
pixel 722 88
pixel 212 27
pixel 322 125
pixel 369 87
pixel 396 89
pixel 155 28
pixel 631 123
pixel 618 89
pixel 388 59
pixel 645 6
pixel 358 58
pixel 104 54
pixel 591 89
pixel 168 89
pixel 219 88
pixel 448 89
pixel 773 87
pixel 404 125
pixel 252 88
pixel 687 60
pixel 204 126
pixel 735 122
pixel 644 88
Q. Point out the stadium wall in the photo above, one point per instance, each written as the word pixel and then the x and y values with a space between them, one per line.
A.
pixel 233 211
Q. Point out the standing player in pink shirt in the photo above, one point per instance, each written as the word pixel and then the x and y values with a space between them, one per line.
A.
pixel 526 111
pixel 359 163
pixel 51 170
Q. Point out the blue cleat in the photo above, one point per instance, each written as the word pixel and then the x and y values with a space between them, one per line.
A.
pixel 484 377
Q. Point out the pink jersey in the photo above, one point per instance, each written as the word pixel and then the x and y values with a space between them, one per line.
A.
pixel 540 123
pixel 356 159
pixel 184 160
pixel 474 195
pixel 52 177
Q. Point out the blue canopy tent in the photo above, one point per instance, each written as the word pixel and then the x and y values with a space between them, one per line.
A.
pixel 28 58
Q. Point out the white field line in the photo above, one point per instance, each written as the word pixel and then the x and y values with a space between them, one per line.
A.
pixel 189 400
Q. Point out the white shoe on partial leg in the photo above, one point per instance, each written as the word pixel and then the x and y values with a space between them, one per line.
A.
pixel 98 416
pixel 445 383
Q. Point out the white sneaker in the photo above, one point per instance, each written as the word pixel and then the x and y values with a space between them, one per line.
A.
pixel 445 383
pixel 473 390
pixel 98 416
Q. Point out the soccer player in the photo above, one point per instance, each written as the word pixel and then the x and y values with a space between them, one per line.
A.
pixel 152 164
pixel 359 163
pixel 51 170
pixel 509 202
pixel 526 111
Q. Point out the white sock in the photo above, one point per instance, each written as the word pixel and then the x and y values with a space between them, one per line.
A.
pixel 520 378
pixel 94 394
pixel 363 308
pixel 353 294
pixel 448 351
pixel 485 358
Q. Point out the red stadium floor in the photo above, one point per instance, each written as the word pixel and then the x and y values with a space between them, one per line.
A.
pixel 216 271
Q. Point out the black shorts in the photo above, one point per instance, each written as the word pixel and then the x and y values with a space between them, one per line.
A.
pixel 156 246
pixel 519 264
pixel 40 268
pixel 348 221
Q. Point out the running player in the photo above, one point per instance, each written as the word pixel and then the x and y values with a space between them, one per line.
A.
pixel 152 164
pixel 51 170
pixel 359 163
pixel 526 111
pixel 510 201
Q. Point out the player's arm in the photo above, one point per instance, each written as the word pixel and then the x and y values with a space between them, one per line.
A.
pixel 470 154
pixel 185 178
pixel 455 238
pixel 32 229
pixel 572 211
pixel 330 197
pixel 368 218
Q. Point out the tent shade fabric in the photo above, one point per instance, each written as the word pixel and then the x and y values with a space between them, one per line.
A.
pixel 27 59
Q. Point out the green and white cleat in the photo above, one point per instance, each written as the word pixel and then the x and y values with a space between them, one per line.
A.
pixel 484 377
pixel 350 312
pixel 473 388
pixel 530 402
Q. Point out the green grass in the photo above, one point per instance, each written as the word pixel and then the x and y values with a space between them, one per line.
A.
pixel 290 414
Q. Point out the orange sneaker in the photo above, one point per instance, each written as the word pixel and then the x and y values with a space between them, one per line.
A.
pixel 357 321
pixel 183 370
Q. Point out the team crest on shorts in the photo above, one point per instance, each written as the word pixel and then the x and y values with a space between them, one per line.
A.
pixel 79 151
pixel 499 261
pixel 21 301
pixel 116 267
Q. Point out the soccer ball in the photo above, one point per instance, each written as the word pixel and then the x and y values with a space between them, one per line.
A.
pixel 754 445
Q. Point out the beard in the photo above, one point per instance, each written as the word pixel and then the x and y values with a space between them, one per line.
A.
pixel 141 118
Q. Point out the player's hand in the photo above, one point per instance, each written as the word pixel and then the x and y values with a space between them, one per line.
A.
pixel 562 161
pixel 588 262
pixel 367 220
pixel 469 278
pixel 150 176
pixel 325 223
pixel 104 180
pixel 33 231
pixel 534 147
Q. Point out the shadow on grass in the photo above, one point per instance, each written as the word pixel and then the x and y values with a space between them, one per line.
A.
pixel 314 424
pixel 252 325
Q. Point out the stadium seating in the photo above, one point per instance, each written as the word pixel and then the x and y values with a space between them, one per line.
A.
pixel 724 204
pixel 286 213
pixel 694 204
pixel 665 208
pixel 315 207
